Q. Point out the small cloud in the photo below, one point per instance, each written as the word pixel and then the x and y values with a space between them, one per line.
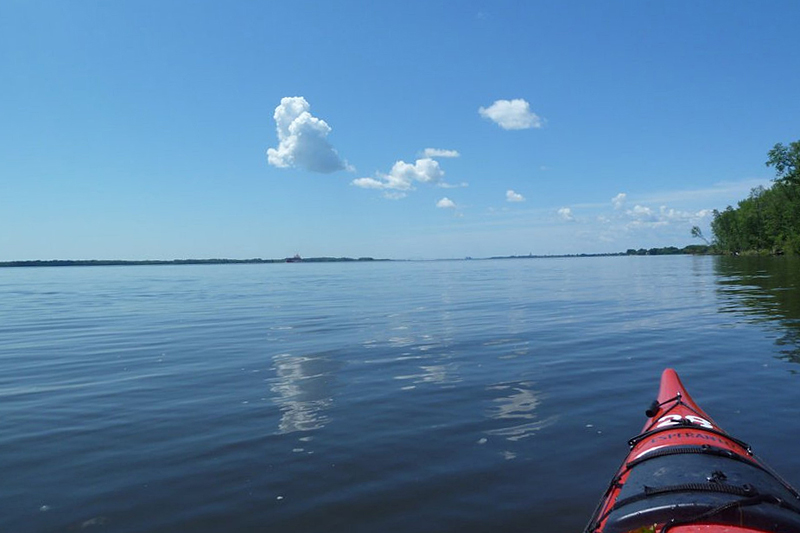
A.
pixel 671 214
pixel 368 183
pixel 619 200
pixel 403 176
pixel 646 217
pixel 565 213
pixel 436 152
pixel 512 115
pixel 512 196
pixel 444 185
pixel 446 203
pixel 424 170
pixel 303 139
pixel 394 195
pixel 641 212
pixel 643 216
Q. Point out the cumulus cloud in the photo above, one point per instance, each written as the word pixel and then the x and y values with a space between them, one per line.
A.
pixel 565 213
pixel 403 176
pixel 512 196
pixel 446 203
pixel 303 139
pixel 619 200
pixel 675 214
pixel 512 115
pixel 425 170
pixel 369 183
pixel 643 216
pixel 641 212
pixel 437 152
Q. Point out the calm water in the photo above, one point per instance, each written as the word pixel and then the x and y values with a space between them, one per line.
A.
pixel 466 396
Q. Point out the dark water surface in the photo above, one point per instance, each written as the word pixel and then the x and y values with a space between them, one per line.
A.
pixel 468 396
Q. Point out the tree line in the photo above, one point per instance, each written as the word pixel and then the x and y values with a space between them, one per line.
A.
pixel 767 221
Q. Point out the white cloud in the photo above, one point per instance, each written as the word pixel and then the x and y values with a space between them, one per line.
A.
pixel 565 213
pixel 512 196
pixel 681 216
pixel 444 185
pixel 641 212
pixel 512 115
pixel 446 203
pixel 425 170
pixel 403 176
pixel 619 200
pixel 394 195
pixel 368 183
pixel 436 152
pixel 302 139
pixel 643 216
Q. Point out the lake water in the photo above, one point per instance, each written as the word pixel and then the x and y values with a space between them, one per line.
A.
pixel 460 396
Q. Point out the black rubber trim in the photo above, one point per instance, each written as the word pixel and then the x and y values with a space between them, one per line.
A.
pixel 758 499
pixel 722 488
pixel 689 449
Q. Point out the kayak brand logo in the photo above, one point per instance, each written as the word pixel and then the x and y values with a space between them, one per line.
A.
pixel 679 420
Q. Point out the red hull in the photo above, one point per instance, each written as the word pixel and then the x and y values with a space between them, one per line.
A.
pixel 684 474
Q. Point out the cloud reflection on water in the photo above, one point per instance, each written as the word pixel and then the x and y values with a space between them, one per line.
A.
pixel 438 374
pixel 303 391
pixel 518 402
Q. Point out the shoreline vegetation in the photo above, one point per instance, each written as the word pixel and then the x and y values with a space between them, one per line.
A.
pixel 768 221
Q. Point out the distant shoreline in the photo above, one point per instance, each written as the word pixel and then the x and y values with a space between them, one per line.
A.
pixel 123 262
pixel 689 250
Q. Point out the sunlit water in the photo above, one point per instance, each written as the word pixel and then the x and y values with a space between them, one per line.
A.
pixel 463 396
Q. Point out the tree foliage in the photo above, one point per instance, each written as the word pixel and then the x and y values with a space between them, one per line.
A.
pixel 769 219
pixel 786 160
pixel 697 233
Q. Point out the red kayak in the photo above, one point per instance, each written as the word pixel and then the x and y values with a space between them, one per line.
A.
pixel 684 474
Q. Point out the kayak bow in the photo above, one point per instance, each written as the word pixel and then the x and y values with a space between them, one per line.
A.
pixel 684 474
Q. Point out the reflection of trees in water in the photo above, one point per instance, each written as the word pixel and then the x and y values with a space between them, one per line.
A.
pixel 303 391
pixel 769 290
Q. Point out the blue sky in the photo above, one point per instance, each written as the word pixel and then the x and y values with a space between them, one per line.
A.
pixel 147 129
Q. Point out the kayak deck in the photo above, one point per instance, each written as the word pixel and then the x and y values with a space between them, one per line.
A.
pixel 684 474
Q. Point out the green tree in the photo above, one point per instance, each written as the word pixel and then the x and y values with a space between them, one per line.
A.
pixel 697 233
pixel 725 227
pixel 786 160
pixel 768 220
